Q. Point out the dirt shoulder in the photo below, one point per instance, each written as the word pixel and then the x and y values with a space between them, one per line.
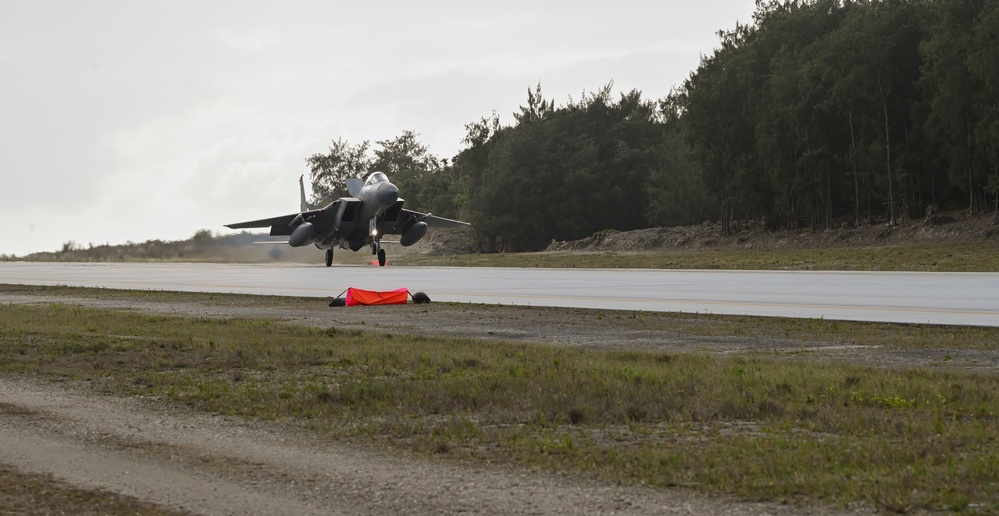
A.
pixel 935 228
pixel 593 329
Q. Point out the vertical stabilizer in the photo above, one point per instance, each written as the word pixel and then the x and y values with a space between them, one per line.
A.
pixel 301 188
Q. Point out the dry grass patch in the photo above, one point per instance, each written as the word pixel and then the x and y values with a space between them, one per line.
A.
pixel 26 493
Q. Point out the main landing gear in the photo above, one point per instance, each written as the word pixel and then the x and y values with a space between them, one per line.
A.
pixel 329 257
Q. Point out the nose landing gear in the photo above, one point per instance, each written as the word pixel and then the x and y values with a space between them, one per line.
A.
pixel 376 246
pixel 376 249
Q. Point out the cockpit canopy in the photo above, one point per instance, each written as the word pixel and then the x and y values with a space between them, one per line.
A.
pixel 375 177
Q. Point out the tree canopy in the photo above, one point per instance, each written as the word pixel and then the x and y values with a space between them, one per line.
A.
pixel 817 113
pixel 877 109
pixel 410 164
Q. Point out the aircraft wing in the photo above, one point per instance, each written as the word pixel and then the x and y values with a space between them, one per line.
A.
pixel 433 220
pixel 279 225
pixel 406 218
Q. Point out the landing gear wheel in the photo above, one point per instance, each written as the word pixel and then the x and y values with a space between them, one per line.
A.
pixel 381 257
pixel 329 257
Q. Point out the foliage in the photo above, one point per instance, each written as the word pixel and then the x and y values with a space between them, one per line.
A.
pixel 330 171
pixel 418 173
pixel 879 109
pixel 816 113
pixel 407 162
pixel 564 173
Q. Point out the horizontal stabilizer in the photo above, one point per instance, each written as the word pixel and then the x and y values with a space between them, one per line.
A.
pixel 283 220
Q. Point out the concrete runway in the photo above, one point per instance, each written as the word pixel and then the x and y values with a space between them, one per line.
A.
pixel 901 297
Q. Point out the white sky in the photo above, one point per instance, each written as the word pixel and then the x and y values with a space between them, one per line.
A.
pixel 137 120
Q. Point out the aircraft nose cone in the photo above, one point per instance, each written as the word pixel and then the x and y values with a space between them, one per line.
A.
pixel 388 193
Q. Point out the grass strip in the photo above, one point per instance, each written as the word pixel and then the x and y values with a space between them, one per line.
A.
pixel 28 493
pixel 936 257
pixel 798 432
pixel 961 257
pixel 884 336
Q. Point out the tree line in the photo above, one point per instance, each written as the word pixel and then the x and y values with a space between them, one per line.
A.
pixel 817 113
pixel 874 110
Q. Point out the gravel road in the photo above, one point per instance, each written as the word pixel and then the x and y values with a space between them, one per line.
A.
pixel 207 464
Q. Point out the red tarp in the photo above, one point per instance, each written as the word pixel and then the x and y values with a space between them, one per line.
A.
pixel 356 296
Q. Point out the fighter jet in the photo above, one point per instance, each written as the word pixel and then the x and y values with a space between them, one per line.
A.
pixel 374 209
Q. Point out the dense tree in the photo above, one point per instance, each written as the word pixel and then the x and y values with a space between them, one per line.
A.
pixel 959 87
pixel 565 172
pixel 329 172
pixel 675 192
pixel 819 112
pixel 409 164
pixel 827 107
pixel 983 61
pixel 412 168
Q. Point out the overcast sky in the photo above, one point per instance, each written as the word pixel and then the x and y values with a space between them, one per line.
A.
pixel 138 120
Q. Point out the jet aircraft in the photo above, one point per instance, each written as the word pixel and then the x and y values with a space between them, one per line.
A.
pixel 374 209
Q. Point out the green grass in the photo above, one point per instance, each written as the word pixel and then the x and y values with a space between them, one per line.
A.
pixel 885 336
pixel 926 257
pixel 980 256
pixel 761 429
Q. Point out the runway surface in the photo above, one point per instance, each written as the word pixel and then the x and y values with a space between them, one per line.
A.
pixel 901 297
